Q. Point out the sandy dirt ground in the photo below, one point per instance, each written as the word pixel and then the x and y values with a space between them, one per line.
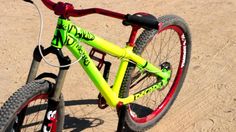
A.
pixel 207 101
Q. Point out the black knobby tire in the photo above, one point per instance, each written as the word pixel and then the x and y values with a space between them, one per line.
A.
pixel 32 95
pixel 139 115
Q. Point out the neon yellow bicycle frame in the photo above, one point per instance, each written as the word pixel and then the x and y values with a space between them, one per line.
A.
pixel 69 35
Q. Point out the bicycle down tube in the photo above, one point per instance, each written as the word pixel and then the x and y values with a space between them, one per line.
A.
pixel 69 35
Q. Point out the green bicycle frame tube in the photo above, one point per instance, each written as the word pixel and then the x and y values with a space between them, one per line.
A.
pixel 70 35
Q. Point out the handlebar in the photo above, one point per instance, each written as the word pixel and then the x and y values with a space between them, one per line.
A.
pixel 66 10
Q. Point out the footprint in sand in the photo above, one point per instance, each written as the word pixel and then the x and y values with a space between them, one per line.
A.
pixel 203 125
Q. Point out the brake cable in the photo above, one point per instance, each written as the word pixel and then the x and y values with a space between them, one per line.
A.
pixel 40 38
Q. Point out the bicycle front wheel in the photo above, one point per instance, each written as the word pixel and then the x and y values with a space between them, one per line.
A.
pixel 171 44
pixel 25 109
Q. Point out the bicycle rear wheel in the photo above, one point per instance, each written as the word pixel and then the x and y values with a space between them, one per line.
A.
pixel 25 109
pixel 171 44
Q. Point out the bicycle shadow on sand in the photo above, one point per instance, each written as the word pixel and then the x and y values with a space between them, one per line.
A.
pixel 79 124
pixel 73 123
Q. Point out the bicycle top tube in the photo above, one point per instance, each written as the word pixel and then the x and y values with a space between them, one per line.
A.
pixel 66 10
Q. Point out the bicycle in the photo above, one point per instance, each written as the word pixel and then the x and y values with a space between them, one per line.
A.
pixel 139 80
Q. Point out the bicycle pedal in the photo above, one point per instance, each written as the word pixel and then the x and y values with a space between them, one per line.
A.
pixel 100 59
pixel 101 102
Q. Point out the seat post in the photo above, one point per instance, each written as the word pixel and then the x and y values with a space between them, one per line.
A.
pixel 133 36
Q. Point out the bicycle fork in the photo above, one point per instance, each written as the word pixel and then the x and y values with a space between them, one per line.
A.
pixel 49 123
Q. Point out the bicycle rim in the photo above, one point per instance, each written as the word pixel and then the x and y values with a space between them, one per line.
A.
pixel 33 116
pixel 166 46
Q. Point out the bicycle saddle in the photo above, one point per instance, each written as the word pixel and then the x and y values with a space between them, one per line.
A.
pixel 144 20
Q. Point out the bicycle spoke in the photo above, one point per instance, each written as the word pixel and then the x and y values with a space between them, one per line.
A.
pixel 37 117
pixel 28 117
pixel 174 46
pixel 168 46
